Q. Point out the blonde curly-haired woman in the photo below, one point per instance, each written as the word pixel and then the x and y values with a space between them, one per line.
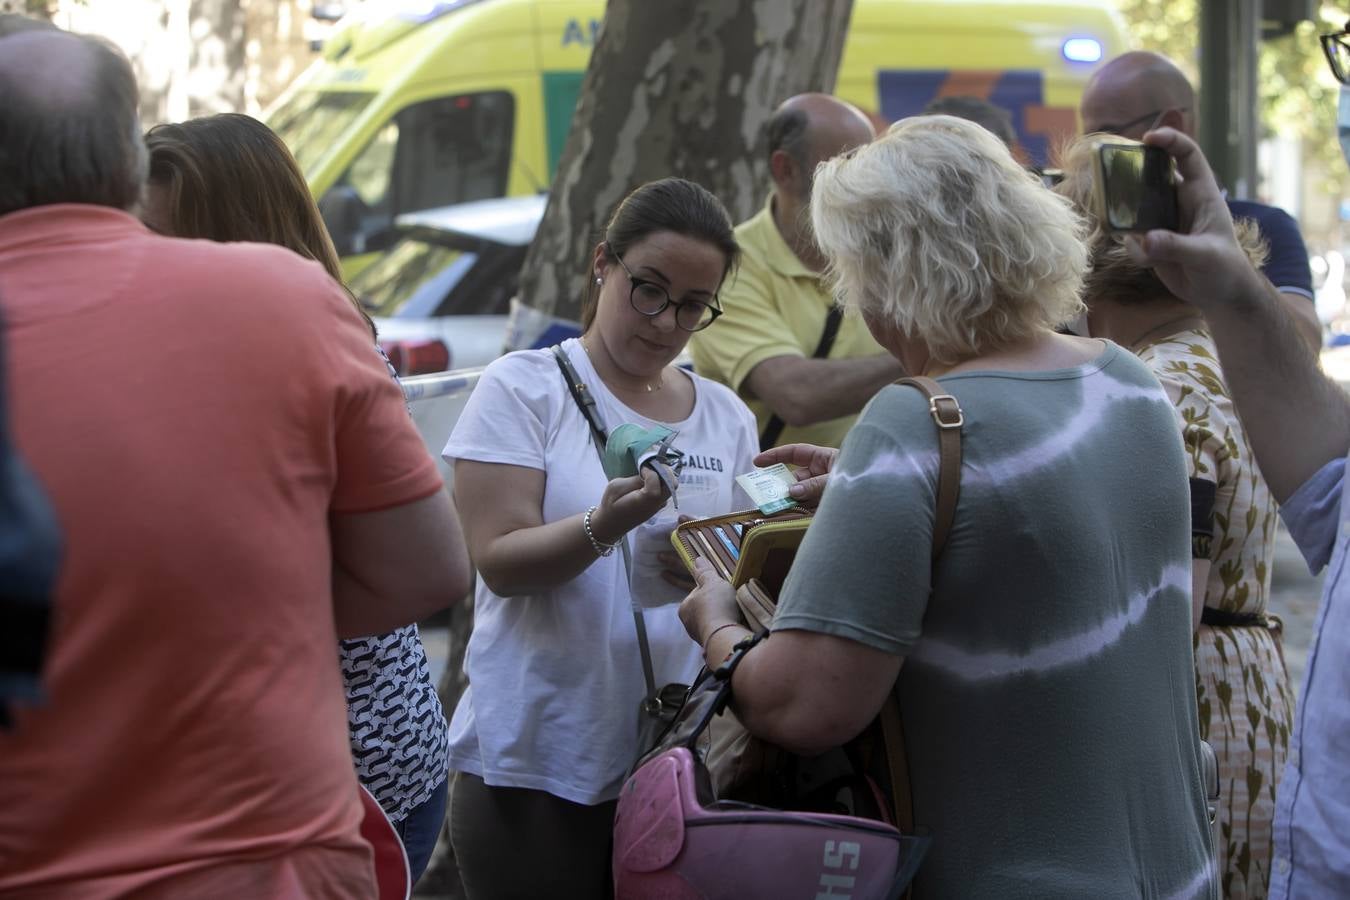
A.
pixel 1046 681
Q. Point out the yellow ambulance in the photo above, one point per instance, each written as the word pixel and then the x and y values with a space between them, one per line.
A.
pixel 417 104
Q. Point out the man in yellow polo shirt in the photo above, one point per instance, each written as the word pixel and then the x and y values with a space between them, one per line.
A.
pixel 771 343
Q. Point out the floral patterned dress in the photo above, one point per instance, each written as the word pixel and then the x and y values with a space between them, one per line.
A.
pixel 1245 702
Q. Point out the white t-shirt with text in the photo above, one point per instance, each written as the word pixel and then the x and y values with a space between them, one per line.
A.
pixel 556 677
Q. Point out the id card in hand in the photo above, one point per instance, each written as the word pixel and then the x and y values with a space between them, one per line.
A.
pixel 768 488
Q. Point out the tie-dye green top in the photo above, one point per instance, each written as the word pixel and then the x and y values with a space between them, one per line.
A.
pixel 1047 688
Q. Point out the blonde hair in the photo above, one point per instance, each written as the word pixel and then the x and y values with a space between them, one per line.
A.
pixel 1113 274
pixel 935 228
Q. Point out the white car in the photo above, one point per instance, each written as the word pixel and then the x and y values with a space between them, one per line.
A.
pixel 441 294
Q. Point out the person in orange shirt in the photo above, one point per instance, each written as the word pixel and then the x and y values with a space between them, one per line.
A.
pixel 239 484
pixel 229 177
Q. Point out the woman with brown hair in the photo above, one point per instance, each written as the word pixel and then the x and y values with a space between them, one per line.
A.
pixel 540 741
pixel 230 178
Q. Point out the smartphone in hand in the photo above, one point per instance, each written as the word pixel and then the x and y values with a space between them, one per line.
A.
pixel 1136 187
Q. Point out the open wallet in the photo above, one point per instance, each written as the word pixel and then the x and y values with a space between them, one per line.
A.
pixel 757 605
pixel 745 545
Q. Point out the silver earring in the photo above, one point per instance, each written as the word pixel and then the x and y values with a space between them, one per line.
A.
pixel 599 282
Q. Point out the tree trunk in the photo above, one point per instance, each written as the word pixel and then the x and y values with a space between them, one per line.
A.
pixel 216 67
pixel 676 89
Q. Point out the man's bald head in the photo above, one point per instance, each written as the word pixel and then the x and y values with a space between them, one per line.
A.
pixel 1136 92
pixel 805 131
pixel 69 129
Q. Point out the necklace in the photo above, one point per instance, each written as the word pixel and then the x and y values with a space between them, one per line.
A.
pixel 650 388
pixel 1141 342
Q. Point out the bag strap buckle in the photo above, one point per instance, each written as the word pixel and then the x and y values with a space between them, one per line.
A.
pixel 949 417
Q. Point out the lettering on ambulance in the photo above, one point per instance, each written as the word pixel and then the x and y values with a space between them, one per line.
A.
pixel 905 92
pixel 839 855
pixel 573 33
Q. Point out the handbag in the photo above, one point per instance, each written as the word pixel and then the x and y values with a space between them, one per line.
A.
pixel 741 768
pixel 674 837
pixel 659 705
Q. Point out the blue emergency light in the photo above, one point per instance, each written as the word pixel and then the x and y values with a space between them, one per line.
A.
pixel 1082 49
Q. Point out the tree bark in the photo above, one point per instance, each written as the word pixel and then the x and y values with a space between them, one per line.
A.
pixel 676 89
pixel 216 67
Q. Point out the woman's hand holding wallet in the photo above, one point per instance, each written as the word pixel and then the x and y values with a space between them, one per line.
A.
pixel 811 465
pixel 710 606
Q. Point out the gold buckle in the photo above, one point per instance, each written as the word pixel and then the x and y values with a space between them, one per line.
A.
pixel 936 412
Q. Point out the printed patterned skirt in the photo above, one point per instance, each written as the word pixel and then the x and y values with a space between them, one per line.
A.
pixel 1246 713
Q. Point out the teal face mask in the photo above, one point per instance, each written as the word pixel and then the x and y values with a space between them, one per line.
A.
pixel 1343 122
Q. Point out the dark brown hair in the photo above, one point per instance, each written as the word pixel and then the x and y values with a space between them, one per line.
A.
pixel 229 177
pixel 670 204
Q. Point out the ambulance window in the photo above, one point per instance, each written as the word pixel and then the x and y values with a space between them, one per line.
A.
pixel 312 123
pixel 453 150
pixel 370 172
pixel 435 153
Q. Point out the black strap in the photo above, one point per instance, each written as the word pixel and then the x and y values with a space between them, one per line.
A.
pixel 1219 618
pixel 591 413
pixel 584 399
pixel 773 429
pixel 1203 494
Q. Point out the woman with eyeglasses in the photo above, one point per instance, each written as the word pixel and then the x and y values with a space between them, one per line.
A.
pixel 541 740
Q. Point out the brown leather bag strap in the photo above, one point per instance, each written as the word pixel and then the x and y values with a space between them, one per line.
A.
pixel 946 413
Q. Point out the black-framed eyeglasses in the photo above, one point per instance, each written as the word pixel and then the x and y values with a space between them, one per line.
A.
pixel 1149 117
pixel 651 299
pixel 1336 46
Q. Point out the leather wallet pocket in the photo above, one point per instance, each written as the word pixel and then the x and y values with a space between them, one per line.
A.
pixel 744 545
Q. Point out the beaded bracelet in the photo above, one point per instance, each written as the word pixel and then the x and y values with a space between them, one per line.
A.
pixel 600 547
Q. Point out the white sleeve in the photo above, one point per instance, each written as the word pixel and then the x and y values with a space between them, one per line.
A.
pixel 508 415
